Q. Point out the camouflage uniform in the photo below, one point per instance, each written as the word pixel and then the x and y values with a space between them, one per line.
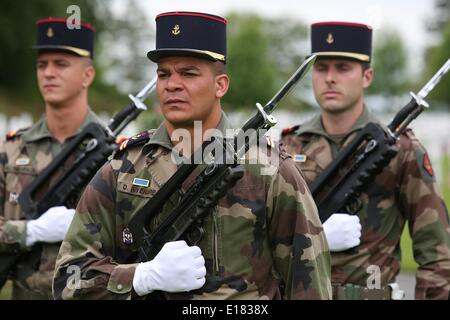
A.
pixel 22 157
pixel 264 231
pixel 406 190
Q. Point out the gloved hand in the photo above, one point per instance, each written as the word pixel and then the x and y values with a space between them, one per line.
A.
pixel 343 231
pixel 51 226
pixel 176 268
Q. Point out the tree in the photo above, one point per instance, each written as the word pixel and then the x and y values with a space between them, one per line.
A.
pixel 119 54
pixel 435 57
pixel 17 36
pixel 389 64
pixel 261 55
pixel 441 16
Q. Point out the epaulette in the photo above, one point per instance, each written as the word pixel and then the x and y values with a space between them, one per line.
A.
pixel 290 130
pixel 136 140
pixel 15 133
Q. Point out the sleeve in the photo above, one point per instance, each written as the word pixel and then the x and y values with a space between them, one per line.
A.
pixel 12 233
pixel 428 222
pixel 301 252
pixel 85 268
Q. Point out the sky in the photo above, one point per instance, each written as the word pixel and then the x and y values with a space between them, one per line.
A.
pixel 406 16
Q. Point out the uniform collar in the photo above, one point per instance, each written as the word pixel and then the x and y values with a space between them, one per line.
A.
pixel 315 125
pixel 161 137
pixel 40 129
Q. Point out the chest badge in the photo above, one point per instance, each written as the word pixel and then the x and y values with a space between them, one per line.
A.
pixel 127 237
pixel 141 182
pixel 13 197
pixel 22 161
pixel 299 157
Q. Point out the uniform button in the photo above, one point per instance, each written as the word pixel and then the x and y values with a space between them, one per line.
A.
pixel 119 287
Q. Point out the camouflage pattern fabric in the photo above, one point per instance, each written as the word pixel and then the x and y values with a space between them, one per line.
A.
pixel 23 156
pixel 265 231
pixel 405 191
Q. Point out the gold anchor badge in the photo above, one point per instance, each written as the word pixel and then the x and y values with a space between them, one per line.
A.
pixel 176 30
pixel 330 38
pixel 50 33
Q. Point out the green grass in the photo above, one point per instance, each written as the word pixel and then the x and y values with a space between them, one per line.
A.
pixel 408 263
pixel 5 293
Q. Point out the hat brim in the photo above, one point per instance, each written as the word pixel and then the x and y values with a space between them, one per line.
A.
pixel 351 55
pixel 155 55
pixel 77 51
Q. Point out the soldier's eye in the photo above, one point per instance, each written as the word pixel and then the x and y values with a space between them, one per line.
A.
pixel 162 74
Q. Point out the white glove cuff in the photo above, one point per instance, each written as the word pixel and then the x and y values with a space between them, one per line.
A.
pixel 31 233
pixel 140 284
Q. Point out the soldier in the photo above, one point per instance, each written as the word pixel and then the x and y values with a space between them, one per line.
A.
pixel 404 192
pixel 264 233
pixel 64 73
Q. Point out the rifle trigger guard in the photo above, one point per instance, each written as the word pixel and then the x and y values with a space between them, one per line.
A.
pixel 195 234
pixel 354 205
pixel 269 120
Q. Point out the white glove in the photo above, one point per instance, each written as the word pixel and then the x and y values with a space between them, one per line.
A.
pixel 51 226
pixel 176 268
pixel 343 231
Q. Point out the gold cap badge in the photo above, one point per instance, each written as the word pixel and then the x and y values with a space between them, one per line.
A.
pixel 330 38
pixel 176 30
pixel 50 33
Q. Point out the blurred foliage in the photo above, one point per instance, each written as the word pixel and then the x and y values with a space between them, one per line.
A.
pixel 262 54
pixel 390 65
pixel 440 17
pixel 438 54
pixel 18 85
pixel 435 57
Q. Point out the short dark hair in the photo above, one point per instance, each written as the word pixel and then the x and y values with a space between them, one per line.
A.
pixel 219 67
pixel 365 65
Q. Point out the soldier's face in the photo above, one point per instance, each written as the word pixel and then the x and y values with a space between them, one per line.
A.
pixel 339 84
pixel 62 77
pixel 189 89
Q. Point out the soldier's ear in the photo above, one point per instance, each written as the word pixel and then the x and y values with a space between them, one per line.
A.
pixel 367 77
pixel 222 82
pixel 88 76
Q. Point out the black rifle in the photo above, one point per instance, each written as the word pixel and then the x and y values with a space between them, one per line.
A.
pixel 185 219
pixel 88 151
pixel 338 187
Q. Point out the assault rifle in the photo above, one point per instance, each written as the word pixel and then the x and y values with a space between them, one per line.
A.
pixel 338 187
pixel 83 157
pixel 184 221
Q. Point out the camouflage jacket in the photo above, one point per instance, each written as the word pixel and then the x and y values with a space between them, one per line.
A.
pixel 265 231
pixel 405 191
pixel 23 156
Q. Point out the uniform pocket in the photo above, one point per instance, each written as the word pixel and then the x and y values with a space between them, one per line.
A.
pixel 310 170
pixel 17 178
